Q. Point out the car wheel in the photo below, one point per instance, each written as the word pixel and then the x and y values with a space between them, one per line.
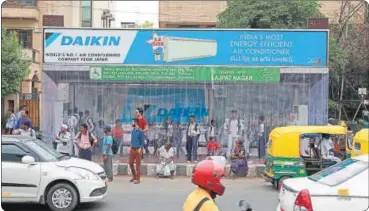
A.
pixel 62 197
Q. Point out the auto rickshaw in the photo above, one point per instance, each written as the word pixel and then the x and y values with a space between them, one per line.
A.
pixel 286 157
pixel 360 143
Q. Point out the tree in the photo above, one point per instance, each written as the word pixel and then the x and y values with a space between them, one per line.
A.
pixel 268 14
pixel 147 25
pixel 348 43
pixel 14 64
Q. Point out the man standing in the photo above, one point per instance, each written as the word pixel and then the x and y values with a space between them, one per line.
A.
pixel 118 135
pixel 19 114
pixel 108 153
pixel 177 138
pixel 193 134
pixel 85 141
pixel 25 118
pixel 234 127
pixel 142 124
pixel 90 123
pixel 261 135
pixel 135 153
pixel 64 141
pixel 73 122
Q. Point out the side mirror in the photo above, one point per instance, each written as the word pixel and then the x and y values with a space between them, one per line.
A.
pixel 244 205
pixel 29 160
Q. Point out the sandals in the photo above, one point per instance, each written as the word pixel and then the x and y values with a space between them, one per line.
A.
pixel 136 182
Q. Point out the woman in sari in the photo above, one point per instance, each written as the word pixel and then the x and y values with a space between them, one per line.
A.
pixel 239 165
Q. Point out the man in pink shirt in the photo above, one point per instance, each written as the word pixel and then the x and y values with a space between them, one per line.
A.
pixel 85 142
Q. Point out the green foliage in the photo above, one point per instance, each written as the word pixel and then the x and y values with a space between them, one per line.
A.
pixel 147 25
pixel 14 64
pixel 268 14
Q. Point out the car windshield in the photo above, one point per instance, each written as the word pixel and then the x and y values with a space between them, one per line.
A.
pixel 43 150
pixel 339 173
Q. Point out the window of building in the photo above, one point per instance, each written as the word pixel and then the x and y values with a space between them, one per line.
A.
pixel 11 104
pixel 28 3
pixel 24 37
pixel 12 153
pixel 86 13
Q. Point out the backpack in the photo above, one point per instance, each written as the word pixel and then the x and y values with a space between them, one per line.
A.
pixel 114 146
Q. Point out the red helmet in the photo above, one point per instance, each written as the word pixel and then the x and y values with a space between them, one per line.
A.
pixel 207 174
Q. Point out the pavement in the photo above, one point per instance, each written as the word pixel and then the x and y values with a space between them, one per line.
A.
pixel 169 195
pixel 148 167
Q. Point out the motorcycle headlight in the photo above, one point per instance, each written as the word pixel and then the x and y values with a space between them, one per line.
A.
pixel 83 173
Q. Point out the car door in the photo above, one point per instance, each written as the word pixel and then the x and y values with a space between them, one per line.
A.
pixel 20 182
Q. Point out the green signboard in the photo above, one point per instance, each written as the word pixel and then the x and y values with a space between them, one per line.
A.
pixel 184 74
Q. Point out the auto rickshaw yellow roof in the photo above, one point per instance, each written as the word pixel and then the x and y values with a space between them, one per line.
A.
pixel 308 129
pixel 363 134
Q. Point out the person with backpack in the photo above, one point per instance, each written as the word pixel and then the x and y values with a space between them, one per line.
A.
pixel 108 152
pixel 85 142
pixel 207 176
pixel 63 141
pixel 193 133
pixel 234 127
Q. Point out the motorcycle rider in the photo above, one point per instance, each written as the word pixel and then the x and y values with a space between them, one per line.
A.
pixel 206 175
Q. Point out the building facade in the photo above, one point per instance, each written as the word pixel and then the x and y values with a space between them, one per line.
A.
pixel 203 14
pixel 27 18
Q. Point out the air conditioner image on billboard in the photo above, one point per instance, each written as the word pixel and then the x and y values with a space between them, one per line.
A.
pixel 177 48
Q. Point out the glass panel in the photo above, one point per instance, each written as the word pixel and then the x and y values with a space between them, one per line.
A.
pixel 86 3
pixel 304 95
pixel 86 14
pixel 339 173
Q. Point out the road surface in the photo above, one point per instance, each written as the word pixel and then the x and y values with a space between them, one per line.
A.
pixel 169 195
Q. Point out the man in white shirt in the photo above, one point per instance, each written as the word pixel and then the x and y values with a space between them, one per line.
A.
pixel 261 135
pixel 73 123
pixel 193 134
pixel 64 141
pixel 234 127
pixel 327 150
pixel 90 123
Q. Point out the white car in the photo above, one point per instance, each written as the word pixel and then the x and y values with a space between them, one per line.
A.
pixel 33 172
pixel 342 187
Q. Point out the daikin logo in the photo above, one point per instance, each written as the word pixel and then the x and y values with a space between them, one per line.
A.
pixel 81 40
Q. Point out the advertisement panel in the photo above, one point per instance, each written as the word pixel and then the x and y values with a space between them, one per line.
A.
pixel 186 47
pixel 184 74
pixel 163 103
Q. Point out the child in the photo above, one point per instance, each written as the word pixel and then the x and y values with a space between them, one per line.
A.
pixel 213 146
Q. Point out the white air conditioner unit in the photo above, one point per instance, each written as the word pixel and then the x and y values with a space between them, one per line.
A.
pixel 177 48
pixel 219 92
pixel 302 114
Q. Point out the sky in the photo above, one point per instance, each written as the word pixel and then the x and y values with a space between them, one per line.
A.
pixel 137 11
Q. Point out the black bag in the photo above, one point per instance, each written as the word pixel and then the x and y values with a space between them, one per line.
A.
pixel 114 147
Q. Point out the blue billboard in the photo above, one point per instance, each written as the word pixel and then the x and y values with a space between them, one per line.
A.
pixel 187 47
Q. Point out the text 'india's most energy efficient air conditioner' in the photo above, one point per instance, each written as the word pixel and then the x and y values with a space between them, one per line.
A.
pixel 177 49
